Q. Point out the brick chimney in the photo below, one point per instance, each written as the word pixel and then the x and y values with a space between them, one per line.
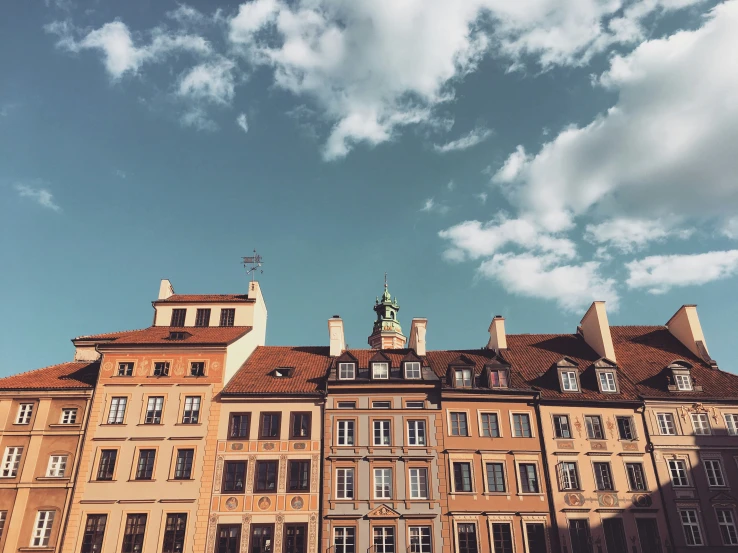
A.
pixel 497 336
pixel 595 330
pixel 335 335
pixel 417 335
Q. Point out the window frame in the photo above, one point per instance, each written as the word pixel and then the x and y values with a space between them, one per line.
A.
pixel 132 540
pixel 461 477
pixel 93 536
pixel 62 460
pixel 692 524
pixel 732 426
pixel 667 417
pixel 107 460
pixel 567 377
pixel 293 420
pixel 385 431
pixel 177 473
pixel 43 526
pixel 382 375
pixel 496 462
pixel 194 413
pixel 612 383
pixel 176 313
pixel 120 412
pixel 278 415
pixel 569 479
pixel 349 424
pixel 704 430
pixel 463 379
pixel 344 547
pixel 537 473
pixel 683 382
pixel 421 435
pixel 349 367
pixel 733 539
pixel 684 468
pixel 174 534
pixel 421 483
pixel 631 428
pixel 11 462
pixel 604 481
pixel 631 476
pixel 202 317
pixel 231 425
pixel 261 477
pixel 161 368
pixel 588 427
pixel 227 316
pixel 529 418
pixel 140 471
pixel 125 369
pixel 303 483
pixel 383 487
pixel 406 369
pixel 73 411
pixel 487 432
pixel 554 419
pixel 24 415
pixel 230 482
pixel 459 415
pixel 150 415
pixel 346 491
pixel 719 474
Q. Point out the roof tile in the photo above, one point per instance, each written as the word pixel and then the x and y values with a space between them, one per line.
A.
pixel 64 376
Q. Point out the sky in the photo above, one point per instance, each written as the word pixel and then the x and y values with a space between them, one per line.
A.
pixel 515 158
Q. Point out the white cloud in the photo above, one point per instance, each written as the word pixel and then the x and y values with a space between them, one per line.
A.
pixel 628 234
pixel 242 122
pixel 120 173
pixel 451 185
pixel 730 228
pixel 198 119
pixel 659 273
pixel 212 81
pixel 474 137
pixel 431 206
pixel 482 197
pixel 41 196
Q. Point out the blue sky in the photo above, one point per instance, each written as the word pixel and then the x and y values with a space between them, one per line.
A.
pixel 518 158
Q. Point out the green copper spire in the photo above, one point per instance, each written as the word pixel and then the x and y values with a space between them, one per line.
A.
pixel 386 310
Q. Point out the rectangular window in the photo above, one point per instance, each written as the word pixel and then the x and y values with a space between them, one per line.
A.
pixel 502 538
pixel 344 539
pixel 11 462
pixel 381 405
pixel 594 427
pixel 625 428
pixel 57 466
pixel 561 426
pixel 346 371
pixel 415 405
pixel 25 411
pixel 614 534
pixel 227 317
pixel 133 535
pixel 161 368
pixel 603 476
pixel 270 425
pixel 183 467
pixel 714 470
pixel 458 424
pixel 521 425
pixel 42 529
pixel 420 539
pixel 490 425
pixel 153 410
pixel 202 317
pixel 666 424
pixel 536 534
pixel 418 483
pixel 299 475
pixel 496 477
pixel 416 432
pixel 498 379
pixel 69 416
pixel 383 539
pixel 197 368
pixel 726 521
pixel 178 317
pixel 92 539
pixel 145 467
pixel 106 467
pixel 117 411
pixel 383 483
pixel 467 537
pixel 382 433
pixel 238 426
pixel 648 534
pixel 345 483
pixel 463 378
pixel 262 536
pixel 683 382
pixel 569 381
pixel 191 413
pixel 175 531
pixel 266 476
pixel 3 516
pixel 462 477
pixel 380 371
pixel 701 424
pixel 731 423
pixel 636 477
pixel 581 540
pixel 345 432
pixel 528 478
pixel 412 370
pixel 607 382
pixel 234 475
pixel 294 538
pixel 569 476
pixel 678 472
pixel 125 369
pixel 300 427
pixel 691 527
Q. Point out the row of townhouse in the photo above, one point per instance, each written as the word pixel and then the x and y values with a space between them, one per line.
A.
pixel 193 436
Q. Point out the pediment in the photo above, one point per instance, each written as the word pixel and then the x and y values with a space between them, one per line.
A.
pixel 412 357
pixel 380 357
pixel 567 362
pixel 461 361
pixel 722 497
pixel 383 511
pixel 346 357
pixel 605 363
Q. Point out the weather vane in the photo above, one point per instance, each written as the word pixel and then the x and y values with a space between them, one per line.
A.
pixel 253 264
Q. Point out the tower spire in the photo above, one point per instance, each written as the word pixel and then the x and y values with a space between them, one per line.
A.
pixel 387 332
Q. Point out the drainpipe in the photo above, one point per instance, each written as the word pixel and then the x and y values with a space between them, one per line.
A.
pixel 555 542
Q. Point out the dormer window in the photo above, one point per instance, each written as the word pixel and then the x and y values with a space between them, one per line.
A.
pixel 569 381
pixel 498 378
pixel 607 382
pixel 177 335
pixel 412 370
pixel 683 382
pixel 346 371
pixel 681 378
pixel 462 378
pixel 282 372
pixel 380 371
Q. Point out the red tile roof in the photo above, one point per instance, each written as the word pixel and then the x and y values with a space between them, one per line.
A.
pixel 478 358
pixel 160 335
pixel 363 356
pixel 65 376
pixel 254 377
pixel 206 298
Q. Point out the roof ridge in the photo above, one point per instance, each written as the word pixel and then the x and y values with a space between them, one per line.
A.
pixel 108 333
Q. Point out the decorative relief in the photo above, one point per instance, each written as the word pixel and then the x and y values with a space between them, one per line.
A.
pixel 642 500
pixel 264 503
pixel 231 503
pixel 313 534
pixel 578 426
pixel 601 446
pixel 245 532
pixel 269 446
pixel 279 527
pixel 250 478
pixel 610 428
pixel 215 366
pixel 565 445
pixel 300 445
pixel 143 368
pixel 630 447
pixel 282 473
pixel 574 499
pixel 297 503
pixel 178 369
pixel 236 447
pixel 212 526
pixel 218 474
pixel 609 500
pixel 108 366
pixel 316 474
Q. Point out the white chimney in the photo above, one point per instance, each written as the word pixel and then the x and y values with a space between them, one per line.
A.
pixel 417 335
pixel 165 289
pixel 685 326
pixel 596 330
pixel 335 334
pixel 497 336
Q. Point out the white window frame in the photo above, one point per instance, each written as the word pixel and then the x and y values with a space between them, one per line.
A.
pixel 731 423
pixel 346 371
pixel 683 382
pixel 481 414
pixel 154 404
pixel 385 431
pixel 386 532
pixel 25 413
pixel 663 420
pixel 348 489
pixel 57 466
pixel 728 524
pixel 608 384
pixel 69 416
pixel 464 372
pixel 412 367
pixel 382 482
pixel 192 401
pixel 569 382
pixel 715 473
pixel 569 473
pixel 530 424
pixel 380 371
pixel 42 528
pixel 418 478
pixel 494 461
pixel 701 424
pixel 416 434
pixel 680 466
pixel 344 531
pixel 11 461
pixel 691 522
pixel 349 439
pixel 420 539
pixel 119 412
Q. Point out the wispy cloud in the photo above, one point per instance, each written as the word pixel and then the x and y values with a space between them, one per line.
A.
pixel 659 273
pixel 120 173
pixel 198 119
pixel 474 137
pixel 431 206
pixel 482 197
pixel 242 122
pixel 41 196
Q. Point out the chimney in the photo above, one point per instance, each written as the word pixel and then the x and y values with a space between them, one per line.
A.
pixel 685 327
pixel 497 336
pixel 417 335
pixel 165 289
pixel 335 334
pixel 596 330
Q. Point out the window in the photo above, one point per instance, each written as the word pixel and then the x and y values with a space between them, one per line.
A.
pixel 569 381
pixel 495 477
pixel 535 532
pixel 133 535
pixel 197 368
pixel 294 538
pixel 174 533
pixel 579 535
pixel 238 426
pixel 701 424
pixel 3 516
pixel 678 472
pixel 691 526
pixel 57 466
pixel 502 538
pixel 11 462
pixel 521 425
pixel 117 410
pixel 383 483
pixel 344 539
pixel 714 470
pixel 183 467
pixel 607 382
pixel 380 371
pixel 191 413
pixel 69 416
pixel 92 539
pixel 229 538
pixel 381 405
pixel 346 371
pixel 145 467
pixel 731 422
pixel 625 428
pixel 300 427
pixel 418 483
pixel 299 475
pixel 458 424
pixel 125 369
pixel 383 539
pixel 42 529
pixel 462 477
pixel 726 521
pixel 683 382
pixel 179 335
pixel 528 478
pixel 25 411
pixel 416 432
pixel 603 477
pixel 178 317
pixel 345 432
pixel 262 536
pixel 594 427
pixel 234 475
pixel 412 370
pixel 420 539
pixel 490 425
pixel 344 483
pixel 614 534
pixel 467 537
pixel 414 405
pixel 161 368
pixel 153 410
pixel 382 432
pixel 636 477
pixel 666 424
pixel 202 317
pixel 569 477
pixel 498 378
pixel 283 372
pixel 462 378
pixel 227 317
pixel 106 467
pixel 270 423
pixel 266 476
pixel 561 426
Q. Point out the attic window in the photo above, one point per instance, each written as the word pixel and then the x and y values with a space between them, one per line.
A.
pixel 683 382
pixel 283 372
pixel 346 371
pixel 380 371
pixel 498 378
pixel 569 381
pixel 462 378
pixel 607 382
pixel 412 370
pixel 682 378
pixel 178 335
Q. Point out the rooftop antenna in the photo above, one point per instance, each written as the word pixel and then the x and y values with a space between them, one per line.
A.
pixel 253 264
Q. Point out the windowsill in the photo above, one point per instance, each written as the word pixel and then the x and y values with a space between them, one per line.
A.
pixel 306 490
pixel 113 424
pixel 103 481
pixel 53 478
pixel 269 438
pixel 265 492
pixel 188 424
pixel 464 493
pixel 238 439
pixel 60 425
pixel 21 424
pixel 178 480
pixel 498 494
pixel 44 548
pixel 143 481
pixel 149 424
pixel 533 494
pixel 606 491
